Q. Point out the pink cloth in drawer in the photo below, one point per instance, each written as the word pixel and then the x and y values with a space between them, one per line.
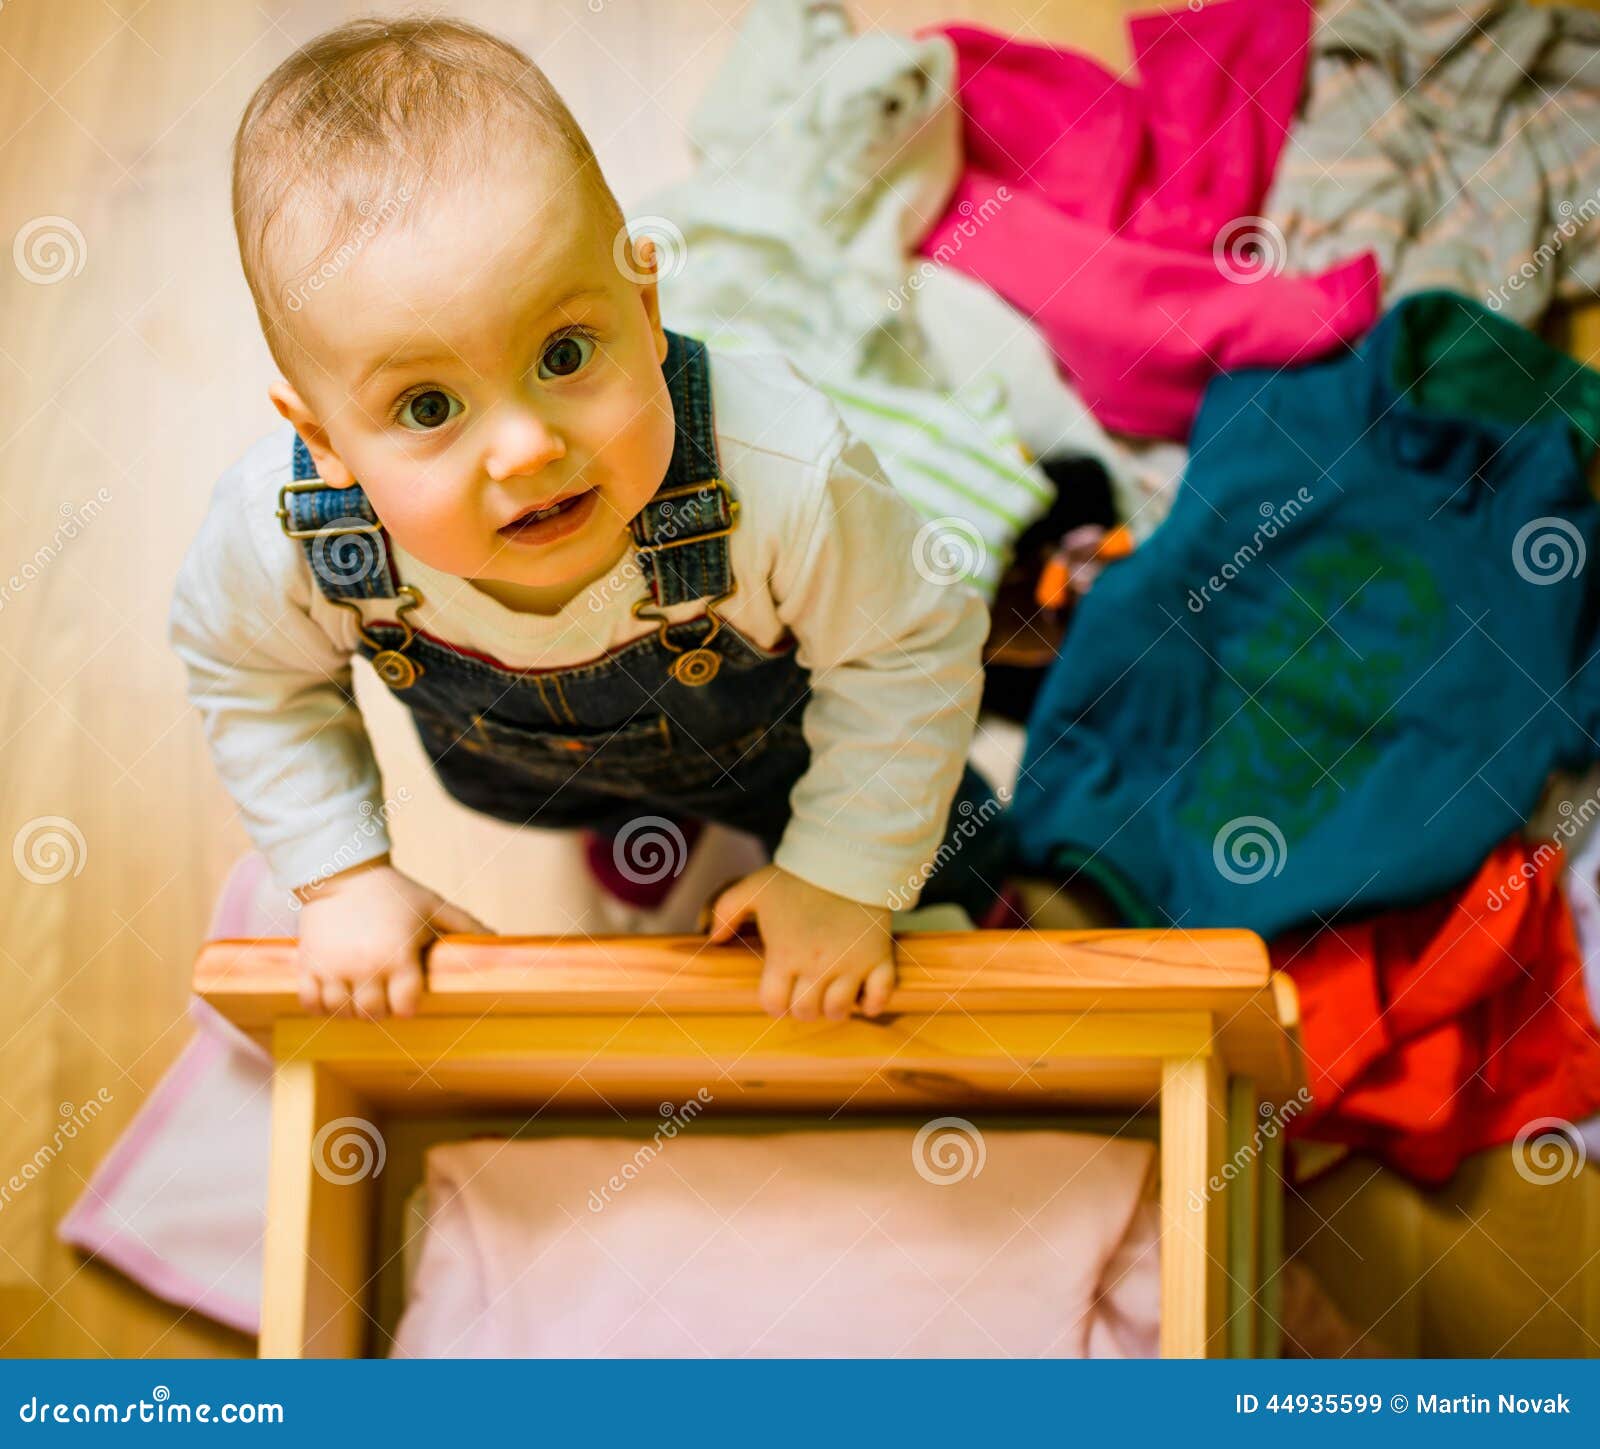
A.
pixel 179 1203
pixel 840 1243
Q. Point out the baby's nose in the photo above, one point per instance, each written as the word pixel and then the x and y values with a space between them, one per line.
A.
pixel 521 446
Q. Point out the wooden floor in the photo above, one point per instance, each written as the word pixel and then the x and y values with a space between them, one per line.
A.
pixel 142 373
pixel 127 385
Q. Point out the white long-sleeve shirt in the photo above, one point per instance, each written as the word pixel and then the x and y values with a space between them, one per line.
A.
pixel 824 550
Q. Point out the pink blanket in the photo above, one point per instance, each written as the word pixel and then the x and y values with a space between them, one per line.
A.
pixel 179 1205
pixel 1123 218
pixel 873 1242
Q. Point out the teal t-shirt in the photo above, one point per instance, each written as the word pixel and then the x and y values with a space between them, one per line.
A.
pixel 1344 666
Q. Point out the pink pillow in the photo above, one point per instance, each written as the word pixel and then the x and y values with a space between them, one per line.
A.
pixel 844 1243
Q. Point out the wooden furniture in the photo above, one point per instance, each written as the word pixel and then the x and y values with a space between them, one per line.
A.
pixel 1185 1025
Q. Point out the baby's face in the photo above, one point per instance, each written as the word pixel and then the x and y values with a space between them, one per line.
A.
pixel 492 379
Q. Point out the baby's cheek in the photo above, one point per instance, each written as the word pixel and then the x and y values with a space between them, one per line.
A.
pixel 635 438
pixel 440 533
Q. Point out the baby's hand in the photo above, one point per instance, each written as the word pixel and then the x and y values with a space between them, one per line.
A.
pixel 822 950
pixel 362 935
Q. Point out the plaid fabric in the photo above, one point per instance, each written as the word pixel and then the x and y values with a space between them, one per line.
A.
pixel 1458 141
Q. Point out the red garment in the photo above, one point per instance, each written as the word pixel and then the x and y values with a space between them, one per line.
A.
pixel 1097 206
pixel 1435 1032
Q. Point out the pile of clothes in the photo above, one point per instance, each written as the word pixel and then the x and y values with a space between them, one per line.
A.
pixel 1277 285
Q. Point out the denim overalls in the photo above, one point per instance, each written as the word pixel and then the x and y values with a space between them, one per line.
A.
pixel 692 720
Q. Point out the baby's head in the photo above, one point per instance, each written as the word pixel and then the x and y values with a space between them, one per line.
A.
pixel 446 283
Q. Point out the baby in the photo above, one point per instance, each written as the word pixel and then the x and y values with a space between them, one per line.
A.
pixel 611 575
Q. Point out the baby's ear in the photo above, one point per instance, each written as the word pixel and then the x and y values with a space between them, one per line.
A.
pixel 290 404
pixel 644 260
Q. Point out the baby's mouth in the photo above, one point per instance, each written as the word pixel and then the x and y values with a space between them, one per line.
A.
pixel 555 521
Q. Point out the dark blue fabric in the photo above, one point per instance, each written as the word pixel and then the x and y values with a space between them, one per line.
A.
pixel 1342 669
pixel 344 565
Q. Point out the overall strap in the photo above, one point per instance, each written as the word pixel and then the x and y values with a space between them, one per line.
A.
pixel 345 544
pixel 682 532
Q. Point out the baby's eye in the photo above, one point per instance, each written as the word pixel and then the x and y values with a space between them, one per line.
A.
pixel 566 355
pixel 423 411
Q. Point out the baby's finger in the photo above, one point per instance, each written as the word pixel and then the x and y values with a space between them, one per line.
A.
pixel 707 918
pixel 335 996
pixel 451 920
pixel 369 998
pixel 840 996
pixel 879 983
pixel 777 985
pixel 405 990
pixel 805 1003
pixel 731 907
pixel 309 989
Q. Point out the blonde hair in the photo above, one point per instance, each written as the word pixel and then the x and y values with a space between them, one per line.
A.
pixel 364 112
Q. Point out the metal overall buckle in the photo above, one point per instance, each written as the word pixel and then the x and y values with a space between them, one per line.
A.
pixel 699 665
pixel 314 485
pixel 393 667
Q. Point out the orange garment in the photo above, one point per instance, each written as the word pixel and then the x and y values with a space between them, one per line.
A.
pixel 1433 1032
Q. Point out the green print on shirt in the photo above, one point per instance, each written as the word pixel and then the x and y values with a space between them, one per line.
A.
pixel 1295 716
